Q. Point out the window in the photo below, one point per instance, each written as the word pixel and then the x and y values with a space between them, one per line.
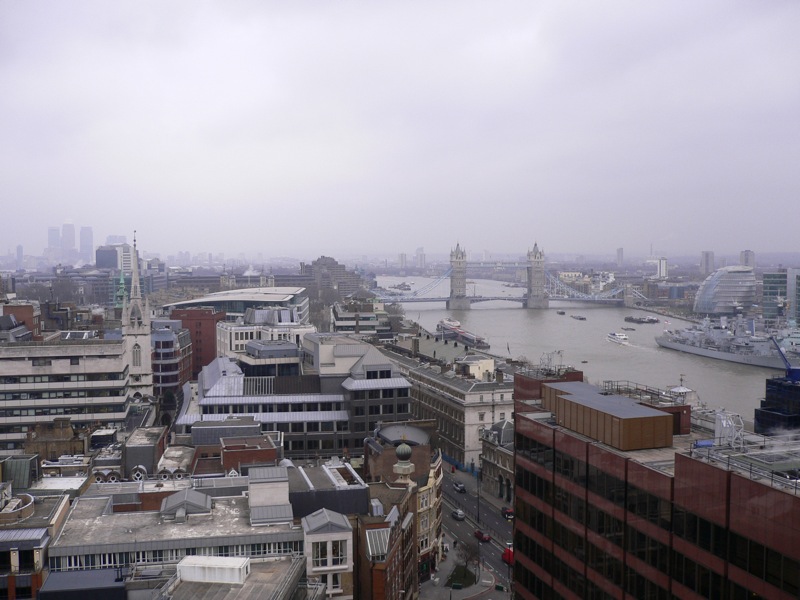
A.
pixel 74 360
pixel 137 355
pixel 481 416
pixel 339 552
pixel 502 416
pixel 319 554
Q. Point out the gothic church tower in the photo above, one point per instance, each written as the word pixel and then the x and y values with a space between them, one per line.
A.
pixel 136 333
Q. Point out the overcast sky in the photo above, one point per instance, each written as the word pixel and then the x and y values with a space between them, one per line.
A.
pixel 340 128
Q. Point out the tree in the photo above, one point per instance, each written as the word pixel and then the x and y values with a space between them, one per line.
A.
pixel 469 552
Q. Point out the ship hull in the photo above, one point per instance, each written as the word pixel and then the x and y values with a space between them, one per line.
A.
pixel 756 360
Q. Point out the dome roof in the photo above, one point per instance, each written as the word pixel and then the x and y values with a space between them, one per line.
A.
pixel 403 452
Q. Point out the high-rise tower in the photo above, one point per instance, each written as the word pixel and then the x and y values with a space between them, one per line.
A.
pixel 87 245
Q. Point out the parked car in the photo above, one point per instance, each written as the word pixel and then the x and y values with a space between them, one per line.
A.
pixel 482 536
pixel 459 487
pixel 458 514
pixel 508 513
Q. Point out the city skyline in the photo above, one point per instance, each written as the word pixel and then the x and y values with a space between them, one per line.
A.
pixel 275 129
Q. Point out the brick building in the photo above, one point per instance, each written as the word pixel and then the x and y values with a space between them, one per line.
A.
pixel 202 326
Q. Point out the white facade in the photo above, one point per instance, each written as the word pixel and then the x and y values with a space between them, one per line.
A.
pixel 271 324
pixel 86 380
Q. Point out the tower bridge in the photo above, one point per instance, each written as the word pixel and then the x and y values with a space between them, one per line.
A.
pixel 542 287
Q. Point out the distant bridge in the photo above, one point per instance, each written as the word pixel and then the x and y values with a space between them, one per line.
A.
pixel 554 289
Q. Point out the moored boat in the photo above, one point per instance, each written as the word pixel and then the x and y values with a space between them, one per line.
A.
pixel 734 342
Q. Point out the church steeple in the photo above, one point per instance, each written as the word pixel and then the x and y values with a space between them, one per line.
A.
pixel 136 332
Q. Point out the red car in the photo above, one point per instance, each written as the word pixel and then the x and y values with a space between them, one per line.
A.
pixel 482 537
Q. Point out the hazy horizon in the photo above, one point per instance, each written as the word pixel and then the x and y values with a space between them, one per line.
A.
pixel 301 129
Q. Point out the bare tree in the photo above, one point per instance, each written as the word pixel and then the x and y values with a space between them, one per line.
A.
pixel 470 552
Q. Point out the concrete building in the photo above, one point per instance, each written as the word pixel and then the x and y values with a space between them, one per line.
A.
pixel 86 379
pixel 496 476
pixel 234 303
pixel 463 401
pixel 87 245
pixel 747 258
pixel 267 324
pixel 360 318
pixel 329 555
pixel 707 265
pixel 345 388
pixel 27 526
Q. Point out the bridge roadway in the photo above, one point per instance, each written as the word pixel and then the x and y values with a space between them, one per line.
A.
pixel 520 299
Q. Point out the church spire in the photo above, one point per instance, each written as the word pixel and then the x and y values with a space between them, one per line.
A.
pixel 136 290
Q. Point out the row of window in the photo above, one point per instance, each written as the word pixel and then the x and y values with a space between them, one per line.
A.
pixel 88 409
pixel 91 393
pixel 758 560
pixel 382 393
pixel 381 409
pixel 62 378
pixel 125 559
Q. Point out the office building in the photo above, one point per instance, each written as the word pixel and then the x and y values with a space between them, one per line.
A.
pixel 202 325
pixel 420 260
pixel 747 258
pixel 27 527
pixel 54 239
pixel 729 290
pixel 706 262
pixel 641 510
pixel 67 240
pixel 85 379
pixel 620 258
pixel 234 303
pixel 780 294
pixel 262 324
pixel 463 403
pixel 87 245
pixel 662 271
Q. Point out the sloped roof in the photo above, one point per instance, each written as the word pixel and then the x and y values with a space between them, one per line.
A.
pixel 266 515
pixel 191 501
pixel 378 542
pixel 326 521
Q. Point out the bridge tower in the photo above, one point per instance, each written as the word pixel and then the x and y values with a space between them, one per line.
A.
pixel 458 280
pixel 537 280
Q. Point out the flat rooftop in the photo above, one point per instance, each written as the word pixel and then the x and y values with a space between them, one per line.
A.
pixel 90 525
pixel 266 579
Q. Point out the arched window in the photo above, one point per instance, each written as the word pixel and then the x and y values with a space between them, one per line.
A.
pixel 137 355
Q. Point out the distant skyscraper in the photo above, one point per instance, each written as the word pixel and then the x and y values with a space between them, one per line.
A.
pixel 67 238
pixel 403 260
pixel 420 258
pixel 747 258
pixel 619 258
pixel 662 268
pixel 706 262
pixel 116 239
pixel 53 238
pixel 87 245
pixel 20 257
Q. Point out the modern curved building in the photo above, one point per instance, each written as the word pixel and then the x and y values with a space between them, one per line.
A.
pixel 236 302
pixel 726 291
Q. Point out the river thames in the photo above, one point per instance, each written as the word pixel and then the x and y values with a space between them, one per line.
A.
pixel 515 332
